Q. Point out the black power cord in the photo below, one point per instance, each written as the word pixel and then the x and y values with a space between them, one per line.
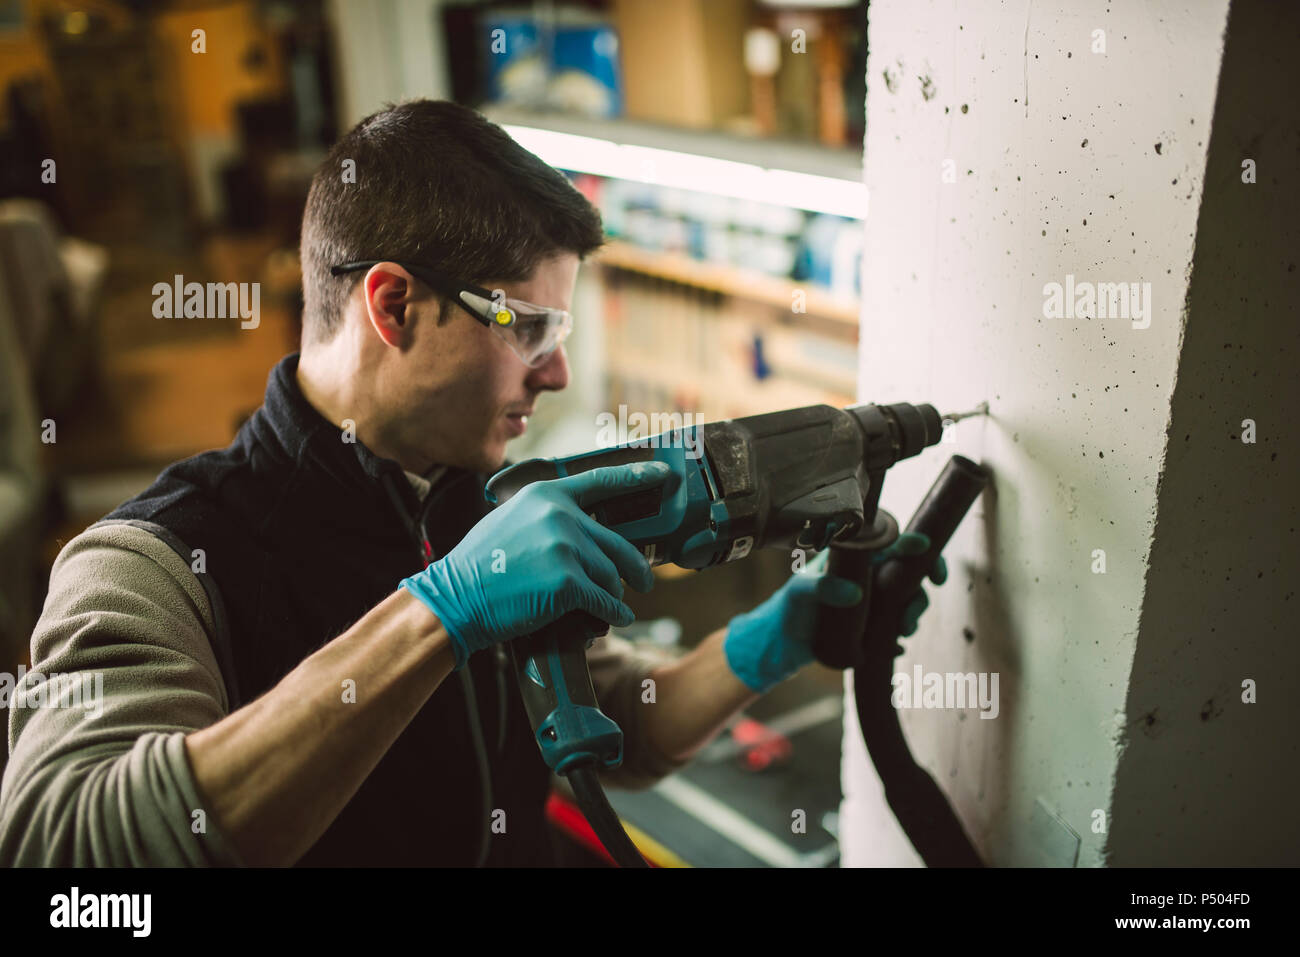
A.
pixel 921 807
pixel 415 526
pixel 600 815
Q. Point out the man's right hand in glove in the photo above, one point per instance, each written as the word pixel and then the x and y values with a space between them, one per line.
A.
pixel 276 772
pixel 536 558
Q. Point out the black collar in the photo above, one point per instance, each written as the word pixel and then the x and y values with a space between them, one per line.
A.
pixel 288 425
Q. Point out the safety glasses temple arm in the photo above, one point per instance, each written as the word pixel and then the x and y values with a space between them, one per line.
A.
pixel 434 279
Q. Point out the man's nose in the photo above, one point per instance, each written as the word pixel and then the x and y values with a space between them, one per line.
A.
pixel 551 374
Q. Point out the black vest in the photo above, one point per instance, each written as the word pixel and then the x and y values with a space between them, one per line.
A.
pixel 302 535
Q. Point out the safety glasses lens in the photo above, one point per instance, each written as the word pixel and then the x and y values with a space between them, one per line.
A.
pixel 533 332
pixel 536 331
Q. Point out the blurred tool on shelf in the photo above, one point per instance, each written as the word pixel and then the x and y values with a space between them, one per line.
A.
pixel 765 69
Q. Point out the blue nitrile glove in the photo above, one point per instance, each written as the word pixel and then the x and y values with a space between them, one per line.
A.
pixel 767 645
pixel 536 558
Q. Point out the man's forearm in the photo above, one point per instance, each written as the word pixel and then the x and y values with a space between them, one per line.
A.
pixel 695 698
pixel 277 772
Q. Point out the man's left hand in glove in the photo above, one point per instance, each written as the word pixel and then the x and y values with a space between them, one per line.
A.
pixel 765 646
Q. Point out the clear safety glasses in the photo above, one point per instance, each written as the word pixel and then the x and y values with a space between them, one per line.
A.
pixel 533 332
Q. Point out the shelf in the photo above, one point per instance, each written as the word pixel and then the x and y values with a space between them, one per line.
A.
pixel 795 155
pixel 722 398
pixel 740 283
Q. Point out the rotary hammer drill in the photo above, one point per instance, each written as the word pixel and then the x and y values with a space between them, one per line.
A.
pixel 806 478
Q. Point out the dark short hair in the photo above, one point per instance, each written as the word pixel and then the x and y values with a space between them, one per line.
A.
pixel 435 183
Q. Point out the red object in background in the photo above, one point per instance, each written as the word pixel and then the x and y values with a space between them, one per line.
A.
pixel 762 746
pixel 569 819
pixel 590 186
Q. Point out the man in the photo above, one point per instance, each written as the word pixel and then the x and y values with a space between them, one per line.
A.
pixel 271 695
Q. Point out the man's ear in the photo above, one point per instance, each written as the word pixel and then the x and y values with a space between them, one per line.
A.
pixel 388 290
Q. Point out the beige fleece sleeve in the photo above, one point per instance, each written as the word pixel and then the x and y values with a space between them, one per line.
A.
pixel 106 781
pixel 619 671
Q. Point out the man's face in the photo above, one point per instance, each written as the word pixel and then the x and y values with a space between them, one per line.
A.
pixel 460 392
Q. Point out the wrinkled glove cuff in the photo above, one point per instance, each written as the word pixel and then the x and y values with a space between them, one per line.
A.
pixel 420 586
pixel 755 655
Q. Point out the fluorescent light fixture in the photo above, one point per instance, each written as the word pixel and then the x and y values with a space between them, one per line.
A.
pixel 705 174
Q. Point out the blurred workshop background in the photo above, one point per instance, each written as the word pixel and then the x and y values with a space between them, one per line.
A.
pixel 721 140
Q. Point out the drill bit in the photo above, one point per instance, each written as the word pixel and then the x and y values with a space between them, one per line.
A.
pixel 981 409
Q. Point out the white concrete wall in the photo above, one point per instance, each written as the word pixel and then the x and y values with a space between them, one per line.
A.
pixel 1206 776
pixel 1066 162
